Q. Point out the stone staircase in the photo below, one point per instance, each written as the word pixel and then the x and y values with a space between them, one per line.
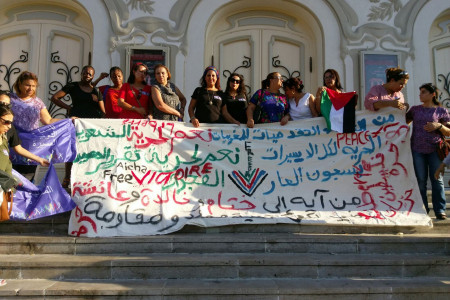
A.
pixel 280 261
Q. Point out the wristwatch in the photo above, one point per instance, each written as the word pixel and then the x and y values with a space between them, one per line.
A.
pixel 133 107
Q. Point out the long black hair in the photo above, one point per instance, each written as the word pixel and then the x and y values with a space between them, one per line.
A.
pixel 294 83
pixel 265 84
pixel 135 66
pixel 203 79
pixel 241 89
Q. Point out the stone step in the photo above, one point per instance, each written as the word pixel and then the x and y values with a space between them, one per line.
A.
pixel 58 224
pixel 261 289
pixel 223 266
pixel 198 243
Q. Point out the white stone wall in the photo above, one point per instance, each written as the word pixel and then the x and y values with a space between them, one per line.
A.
pixel 345 24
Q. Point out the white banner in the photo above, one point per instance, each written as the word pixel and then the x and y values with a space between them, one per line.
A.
pixel 139 177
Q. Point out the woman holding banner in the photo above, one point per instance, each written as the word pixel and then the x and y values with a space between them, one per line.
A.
pixel 235 103
pixel 388 94
pixel 14 140
pixel 110 93
pixel 431 123
pixel 87 102
pixel 6 119
pixel 29 111
pixel 134 96
pixel 302 105
pixel 206 100
pixel 168 100
pixel 273 105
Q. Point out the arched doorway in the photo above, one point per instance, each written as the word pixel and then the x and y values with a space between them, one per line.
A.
pixel 439 41
pixel 255 42
pixel 51 40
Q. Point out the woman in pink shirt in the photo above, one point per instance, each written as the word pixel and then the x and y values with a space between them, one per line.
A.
pixel 388 94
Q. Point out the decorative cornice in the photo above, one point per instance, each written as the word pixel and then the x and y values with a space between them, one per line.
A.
pixel 13 13
pixel 444 27
pixel 378 33
pixel 283 19
pixel 158 28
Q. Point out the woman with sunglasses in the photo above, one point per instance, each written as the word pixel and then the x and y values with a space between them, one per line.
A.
pixel 235 103
pixel 388 94
pixel 332 81
pixel 431 122
pixel 6 119
pixel 206 101
pixel 134 96
pixel 168 100
pixel 273 105
pixel 29 110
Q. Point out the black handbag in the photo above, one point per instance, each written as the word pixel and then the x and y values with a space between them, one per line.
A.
pixel 257 114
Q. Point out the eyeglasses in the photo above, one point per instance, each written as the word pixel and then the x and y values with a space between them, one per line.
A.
pixel 235 80
pixel 329 77
pixel 6 122
pixel 403 73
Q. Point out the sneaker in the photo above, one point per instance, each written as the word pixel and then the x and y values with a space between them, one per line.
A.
pixel 441 216
pixel 2 282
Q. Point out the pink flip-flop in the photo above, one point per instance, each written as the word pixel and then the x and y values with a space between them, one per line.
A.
pixel 2 282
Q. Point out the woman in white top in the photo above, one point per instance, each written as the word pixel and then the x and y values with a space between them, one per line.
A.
pixel 302 105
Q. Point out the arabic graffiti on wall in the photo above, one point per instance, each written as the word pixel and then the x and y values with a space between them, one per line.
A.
pixel 140 177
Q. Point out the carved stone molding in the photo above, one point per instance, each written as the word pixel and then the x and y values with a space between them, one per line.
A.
pixel 261 17
pixel 141 30
pixel 375 32
pixel 46 10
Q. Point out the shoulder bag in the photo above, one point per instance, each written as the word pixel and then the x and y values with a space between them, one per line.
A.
pixel 443 147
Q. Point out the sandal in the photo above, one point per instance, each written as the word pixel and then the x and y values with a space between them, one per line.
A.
pixel 66 183
pixel 441 216
pixel 2 282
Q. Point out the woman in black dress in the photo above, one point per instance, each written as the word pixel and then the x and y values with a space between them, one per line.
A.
pixel 235 103
pixel 206 100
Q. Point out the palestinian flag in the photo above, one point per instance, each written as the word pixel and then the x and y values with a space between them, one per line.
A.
pixel 338 109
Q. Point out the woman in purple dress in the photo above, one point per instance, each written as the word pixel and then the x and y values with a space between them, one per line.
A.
pixel 431 122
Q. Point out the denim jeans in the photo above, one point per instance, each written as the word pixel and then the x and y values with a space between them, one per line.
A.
pixel 425 165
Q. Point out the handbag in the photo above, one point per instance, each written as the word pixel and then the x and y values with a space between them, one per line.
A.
pixel 443 148
pixel 7 183
pixel 4 211
pixel 257 114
